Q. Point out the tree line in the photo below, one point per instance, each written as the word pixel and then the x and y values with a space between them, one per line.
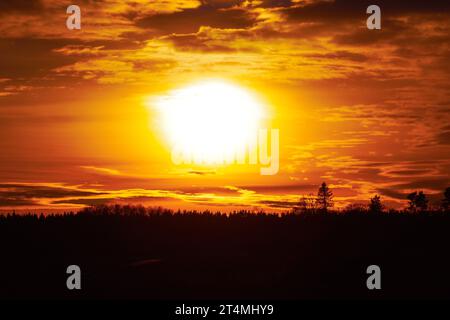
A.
pixel 323 201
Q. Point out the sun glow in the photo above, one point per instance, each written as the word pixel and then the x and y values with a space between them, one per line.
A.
pixel 211 120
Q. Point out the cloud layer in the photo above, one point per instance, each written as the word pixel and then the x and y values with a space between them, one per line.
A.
pixel 367 111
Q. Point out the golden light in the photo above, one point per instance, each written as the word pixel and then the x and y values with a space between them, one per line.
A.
pixel 210 120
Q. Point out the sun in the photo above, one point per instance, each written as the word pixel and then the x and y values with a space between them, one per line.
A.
pixel 210 121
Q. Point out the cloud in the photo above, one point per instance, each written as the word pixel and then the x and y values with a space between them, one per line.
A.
pixel 192 42
pixel 100 201
pixel 14 195
pixel 279 204
pixel 443 137
pixel 85 201
pixel 347 10
pixel 16 61
pixel 275 3
pixel 100 170
pixel 41 191
pixel 339 55
pixel 58 196
pixel 436 184
pixel 281 189
pixel 17 202
pixel 210 190
pixel 190 20
pixel 21 6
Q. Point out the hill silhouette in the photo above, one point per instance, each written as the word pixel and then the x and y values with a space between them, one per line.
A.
pixel 155 253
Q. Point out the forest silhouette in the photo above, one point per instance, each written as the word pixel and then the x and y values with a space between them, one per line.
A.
pixel 312 251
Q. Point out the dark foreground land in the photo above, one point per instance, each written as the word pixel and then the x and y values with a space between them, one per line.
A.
pixel 137 253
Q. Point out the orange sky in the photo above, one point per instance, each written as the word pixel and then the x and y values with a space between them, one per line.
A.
pixel 365 110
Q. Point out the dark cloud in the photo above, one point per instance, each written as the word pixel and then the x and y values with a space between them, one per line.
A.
pixel 275 3
pixel 345 10
pixel 16 202
pixel 339 55
pixel 345 20
pixel 16 60
pixel 434 198
pixel 28 195
pixel 278 204
pixel 48 54
pixel 392 193
pixel 296 188
pixel 202 190
pixel 329 11
pixel 409 172
pixel 221 3
pixel 190 20
pixel 20 6
pixel 437 184
pixel 202 172
pixel 36 191
pixel 392 31
pixel 192 42
pixel 87 201
pixel 443 138
pixel 100 201
pixel 142 199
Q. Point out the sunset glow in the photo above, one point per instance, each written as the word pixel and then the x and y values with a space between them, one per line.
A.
pixel 92 116
pixel 210 121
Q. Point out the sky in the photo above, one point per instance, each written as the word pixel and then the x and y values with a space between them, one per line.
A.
pixel 366 111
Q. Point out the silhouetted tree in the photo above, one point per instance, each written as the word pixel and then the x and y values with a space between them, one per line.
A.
pixel 306 204
pixel 446 200
pixel 324 197
pixel 375 205
pixel 417 201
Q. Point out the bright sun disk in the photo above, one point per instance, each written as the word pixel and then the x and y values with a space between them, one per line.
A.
pixel 210 120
